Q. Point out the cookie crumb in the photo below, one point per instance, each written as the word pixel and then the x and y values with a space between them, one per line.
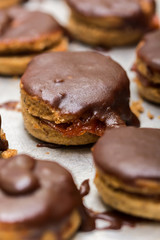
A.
pixel 47 152
pixel 137 108
pixel 9 153
pixel 150 115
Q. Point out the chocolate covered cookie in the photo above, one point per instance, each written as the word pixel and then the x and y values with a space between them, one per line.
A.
pixel 24 34
pixel 111 22
pixel 128 170
pixel 147 67
pixel 71 98
pixel 39 200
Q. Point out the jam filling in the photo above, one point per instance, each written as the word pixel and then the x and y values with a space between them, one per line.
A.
pixel 79 127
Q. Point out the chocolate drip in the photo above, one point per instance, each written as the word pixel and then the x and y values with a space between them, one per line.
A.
pixel 114 219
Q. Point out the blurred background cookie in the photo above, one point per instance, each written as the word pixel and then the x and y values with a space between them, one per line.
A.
pixel 24 34
pixel 128 170
pixel 147 67
pixel 70 98
pixel 111 22
pixel 39 200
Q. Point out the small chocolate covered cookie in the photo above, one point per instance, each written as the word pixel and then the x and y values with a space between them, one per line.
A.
pixel 128 170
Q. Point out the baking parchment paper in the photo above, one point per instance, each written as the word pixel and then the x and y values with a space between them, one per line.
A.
pixel 77 160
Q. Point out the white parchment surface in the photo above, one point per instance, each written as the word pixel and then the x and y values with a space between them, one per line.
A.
pixel 78 161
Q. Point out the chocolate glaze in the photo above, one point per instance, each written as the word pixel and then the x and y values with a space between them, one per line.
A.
pixel 22 25
pixel 129 10
pixel 45 192
pixel 120 151
pixel 150 51
pixel 3 142
pixel 93 86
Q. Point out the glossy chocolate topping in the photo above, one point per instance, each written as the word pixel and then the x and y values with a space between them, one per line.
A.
pixel 81 83
pixel 20 24
pixel 35 192
pixel 126 9
pixel 150 51
pixel 129 153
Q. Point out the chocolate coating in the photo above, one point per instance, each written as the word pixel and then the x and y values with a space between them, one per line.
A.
pixel 20 24
pixel 150 51
pixel 126 9
pixel 92 85
pixel 129 153
pixel 45 192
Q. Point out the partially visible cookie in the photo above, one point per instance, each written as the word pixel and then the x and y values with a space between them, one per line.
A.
pixel 24 34
pixel 111 22
pixel 128 170
pixel 39 200
pixel 147 67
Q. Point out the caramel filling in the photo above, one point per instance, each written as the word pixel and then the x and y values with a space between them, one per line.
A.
pixel 78 127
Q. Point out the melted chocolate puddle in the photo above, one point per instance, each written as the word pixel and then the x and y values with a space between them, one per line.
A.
pixel 11 105
pixel 114 219
pixel 56 146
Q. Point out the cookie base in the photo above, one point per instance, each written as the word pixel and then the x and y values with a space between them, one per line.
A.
pixel 16 65
pixel 45 133
pixel 149 93
pixel 128 203
pixel 66 231
pixel 93 35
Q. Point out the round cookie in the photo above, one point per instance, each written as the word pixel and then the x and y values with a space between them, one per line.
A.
pixel 70 98
pixel 39 200
pixel 110 22
pixel 128 170
pixel 147 67
pixel 24 34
